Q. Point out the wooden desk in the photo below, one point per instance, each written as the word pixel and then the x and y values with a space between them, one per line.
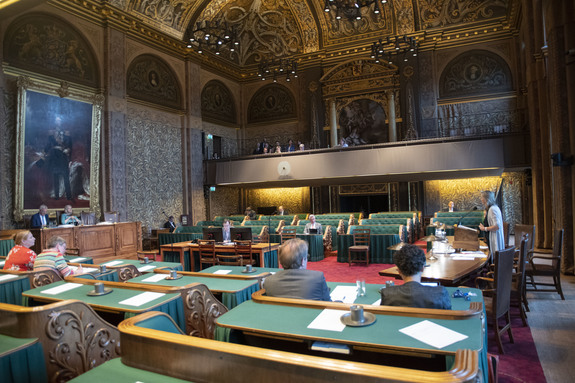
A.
pixel 101 242
pixel 265 253
pixel 447 269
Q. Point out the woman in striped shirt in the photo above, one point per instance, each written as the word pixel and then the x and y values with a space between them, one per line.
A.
pixel 53 258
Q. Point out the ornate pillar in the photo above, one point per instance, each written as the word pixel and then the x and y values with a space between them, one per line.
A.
pixel 391 115
pixel 333 122
pixel 114 175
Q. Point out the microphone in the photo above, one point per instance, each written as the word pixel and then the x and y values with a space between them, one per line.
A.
pixel 164 213
pixel 466 214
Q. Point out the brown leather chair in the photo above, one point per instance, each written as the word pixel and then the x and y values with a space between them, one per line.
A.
pixel 553 269
pixel 497 294
pixel 88 218
pixel 359 252
pixel 207 250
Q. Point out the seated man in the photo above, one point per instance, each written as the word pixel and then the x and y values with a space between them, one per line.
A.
pixel 312 227
pixel 226 225
pixel 410 260
pixel 170 224
pixel 40 219
pixel 250 213
pixel 295 281
pixel 53 258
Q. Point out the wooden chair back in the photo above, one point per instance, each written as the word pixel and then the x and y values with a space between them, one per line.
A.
pixel 520 230
pixel 503 275
pixel 88 218
pixel 207 251
pixel 361 237
pixel 112 216
pixel 244 250
pixel 288 234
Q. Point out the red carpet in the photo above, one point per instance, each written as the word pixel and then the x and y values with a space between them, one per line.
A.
pixel 520 362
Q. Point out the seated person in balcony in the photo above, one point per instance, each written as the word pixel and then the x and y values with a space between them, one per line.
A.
pixel 278 147
pixel 52 258
pixel 295 281
pixel 41 218
pixel 312 227
pixel 290 146
pixel 226 230
pixel 68 218
pixel 21 257
pixel 170 224
pixel 410 260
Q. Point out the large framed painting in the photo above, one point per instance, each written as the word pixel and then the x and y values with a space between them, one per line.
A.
pixel 58 147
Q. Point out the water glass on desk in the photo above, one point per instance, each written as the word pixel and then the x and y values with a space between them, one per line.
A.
pixel 360 283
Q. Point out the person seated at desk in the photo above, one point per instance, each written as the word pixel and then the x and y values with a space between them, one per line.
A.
pixel 410 260
pixel 281 211
pixel 170 224
pixel 68 218
pixel 53 258
pixel 250 213
pixel 451 207
pixel 21 257
pixel 226 230
pixel 312 227
pixel 40 219
pixel 295 281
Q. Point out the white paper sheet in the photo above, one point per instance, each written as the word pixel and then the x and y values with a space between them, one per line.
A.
pixel 146 268
pixel 222 272
pixel 156 278
pixel 377 302
pixel 141 299
pixel 84 269
pixel 78 259
pixel 62 288
pixel 346 294
pixel 8 276
pixel 475 254
pixel 328 320
pixel 113 263
pixel 2 263
pixel 433 334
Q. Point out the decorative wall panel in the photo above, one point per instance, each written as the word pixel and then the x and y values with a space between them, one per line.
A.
pixel 7 158
pixel 46 44
pixel 218 102
pixel 153 166
pixel 271 103
pixel 442 13
pixel 150 79
pixel 225 201
pixel 294 200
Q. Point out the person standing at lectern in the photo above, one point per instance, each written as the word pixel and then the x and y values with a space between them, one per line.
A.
pixel 493 223
pixel 170 224
pixel 410 260
pixel 41 218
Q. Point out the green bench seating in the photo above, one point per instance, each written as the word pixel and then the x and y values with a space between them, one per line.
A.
pixel 459 214
pixel 187 229
pixel 467 221
pixel 408 222
pixel 400 230
pixel 5 246
pixel 336 216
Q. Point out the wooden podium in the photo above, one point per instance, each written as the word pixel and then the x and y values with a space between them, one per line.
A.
pixel 465 238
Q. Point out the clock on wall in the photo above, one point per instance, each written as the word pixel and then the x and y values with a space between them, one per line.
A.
pixel 284 168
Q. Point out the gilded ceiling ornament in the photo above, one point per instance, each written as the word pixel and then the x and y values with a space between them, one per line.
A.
pixel 166 12
pixel 440 13
pixel 345 27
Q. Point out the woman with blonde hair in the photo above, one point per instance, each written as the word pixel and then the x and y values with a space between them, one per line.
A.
pixel 493 223
pixel 21 257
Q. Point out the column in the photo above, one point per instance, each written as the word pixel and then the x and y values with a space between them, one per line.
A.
pixel 333 122
pixel 391 115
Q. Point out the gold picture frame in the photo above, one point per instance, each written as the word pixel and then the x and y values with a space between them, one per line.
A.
pixel 57 147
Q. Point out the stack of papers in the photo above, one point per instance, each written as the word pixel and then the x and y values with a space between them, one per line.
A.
pixel 346 294
pixel 222 272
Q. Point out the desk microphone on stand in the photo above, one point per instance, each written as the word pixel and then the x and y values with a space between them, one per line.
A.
pixel 465 215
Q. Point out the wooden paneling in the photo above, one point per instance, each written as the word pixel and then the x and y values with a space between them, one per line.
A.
pixel 101 242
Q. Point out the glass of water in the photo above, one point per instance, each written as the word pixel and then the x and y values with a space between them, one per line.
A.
pixel 360 283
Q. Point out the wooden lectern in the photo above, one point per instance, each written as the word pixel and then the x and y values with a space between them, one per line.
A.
pixel 465 238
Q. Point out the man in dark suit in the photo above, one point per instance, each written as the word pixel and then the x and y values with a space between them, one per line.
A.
pixel 40 219
pixel 410 260
pixel 170 224
pixel 295 281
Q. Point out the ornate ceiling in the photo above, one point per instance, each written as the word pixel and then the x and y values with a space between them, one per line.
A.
pixel 301 29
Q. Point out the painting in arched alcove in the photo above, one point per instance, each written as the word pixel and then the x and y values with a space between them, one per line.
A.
pixel 362 121
pixel 45 44
pixel 218 103
pixel 150 79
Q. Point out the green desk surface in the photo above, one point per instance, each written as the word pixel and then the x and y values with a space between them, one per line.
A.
pixel 214 284
pixel 108 301
pixel 372 295
pixel 9 344
pixel 384 333
pixel 147 267
pixel 237 270
pixel 76 259
pixel 113 371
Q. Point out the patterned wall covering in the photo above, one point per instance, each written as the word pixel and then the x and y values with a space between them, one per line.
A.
pixel 154 167
pixel 228 136
pixel 466 193
pixel 151 79
pixel 271 103
pixel 7 165
pixel 474 73
pixel 45 44
pixel 218 102
pixel 225 201
pixel 294 200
